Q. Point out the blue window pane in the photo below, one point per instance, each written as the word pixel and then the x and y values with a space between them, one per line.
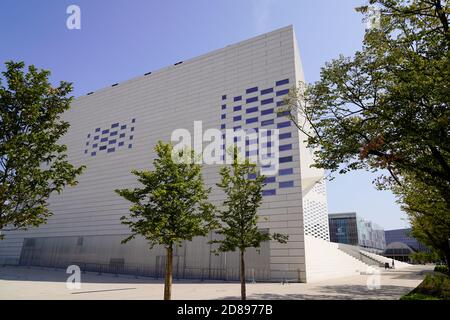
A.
pixel 237 128
pixel 95 145
pixel 282 92
pixel 285 159
pixel 286 135
pixel 87 143
pixel 237 98
pixel 266 112
pixel 85 151
pixel 89 135
pixel 122 135
pixel 105 131
pixel 96 137
pixel 281 82
pixel 267 122
pixel 102 148
pixel 286 147
pixel 284 124
pixel 236 139
pixel 123 127
pixel 250 100
pixel 222 126
pixel 237 108
pixel 283 114
pixel 93 154
pixel 251 90
pixel 97 130
pixel 114 125
pixel 133 121
pixel 271 192
pixel 281 103
pixel 112 141
pixel 113 133
pixel 237 118
pixel 266 91
pixel 104 139
pixel 131 137
pixel 111 150
pixel 251 120
pixel 121 143
pixel 224 97
pixel 286 184
pixel 267 145
pixel 270 180
pixel 130 146
pixel 224 116
pixel 224 106
pixel 252 176
pixel 267 101
pixel 132 129
pixel 286 172
pixel 251 110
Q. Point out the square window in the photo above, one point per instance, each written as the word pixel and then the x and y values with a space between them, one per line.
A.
pixel 222 126
pixel 121 143
pixel 132 129
pixel 115 125
pixel 87 143
pixel 89 135
pixel 104 139
pixel 131 137
pixel 224 97
pixel 130 146
pixel 93 154
pixel 224 116
pixel 122 135
pixel 113 134
pixel 123 127
pixel 95 145
pixel 102 148
pixel 97 130
pixel 133 120
pixel 111 150
pixel 105 131
pixel 96 137
pixel 224 106
pixel 85 151
pixel 112 141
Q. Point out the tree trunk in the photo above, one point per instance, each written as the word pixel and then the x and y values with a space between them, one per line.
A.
pixel 168 278
pixel 447 258
pixel 243 292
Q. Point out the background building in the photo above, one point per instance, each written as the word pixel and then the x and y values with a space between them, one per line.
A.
pixel 400 244
pixel 349 228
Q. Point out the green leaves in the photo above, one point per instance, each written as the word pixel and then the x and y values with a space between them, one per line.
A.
pixel 239 217
pixel 32 163
pixel 172 204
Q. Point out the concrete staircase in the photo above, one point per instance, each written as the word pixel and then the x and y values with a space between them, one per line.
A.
pixel 325 261
pixel 382 260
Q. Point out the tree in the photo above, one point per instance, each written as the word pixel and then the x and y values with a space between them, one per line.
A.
pixel 33 165
pixel 239 216
pixel 427 213
pixel 171 206
pixel 388 108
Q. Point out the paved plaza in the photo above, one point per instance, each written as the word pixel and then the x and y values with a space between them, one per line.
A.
pixel 43 283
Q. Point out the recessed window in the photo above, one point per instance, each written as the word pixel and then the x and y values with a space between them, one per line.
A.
pixel 286 184
pixel 224 116
pixel 271 192
pixel 270 180
pixel 286 135
pixel 251 110
pixel 251 120
pixel 267 101
pixel 251 100
pixel 104 139
pixel 102 148
pixel 133 120
pixel 267 122
pixel 224 106
pixel 285 159
pixel 96 137
pixel 239 98
pixel 285 147
pixel 132 129
pixel 112 141
pixel 85 151
pixel 111 150
pixel 115 125
pixel 97 130
pixel 121 143
pixel 122 135
pixel 130 146
pixel 237 128
pixel 87 143
pixel 93 154
pixel 123 127
pixel 266 91
pixel 237 108
pixel 131 137
pixel 95 145
pixel 286 172
pixel 284 124
pixel 282 82
pixel 266 112
pixel 224 97
pixel 251 90
pixel 282 92
pixel 281 103
pixel 105 131
pixel 222 126
pixel 237 118
pixel 89 135
pixel 114 133
pixel 283 114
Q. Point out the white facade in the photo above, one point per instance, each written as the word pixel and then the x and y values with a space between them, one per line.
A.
pixel 85 226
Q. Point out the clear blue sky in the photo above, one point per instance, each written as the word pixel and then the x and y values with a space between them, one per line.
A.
pixel 121 39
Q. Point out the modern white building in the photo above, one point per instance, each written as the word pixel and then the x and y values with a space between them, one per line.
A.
pixel 115 129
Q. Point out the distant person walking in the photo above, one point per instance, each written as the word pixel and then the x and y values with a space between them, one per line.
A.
pixel 393 264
